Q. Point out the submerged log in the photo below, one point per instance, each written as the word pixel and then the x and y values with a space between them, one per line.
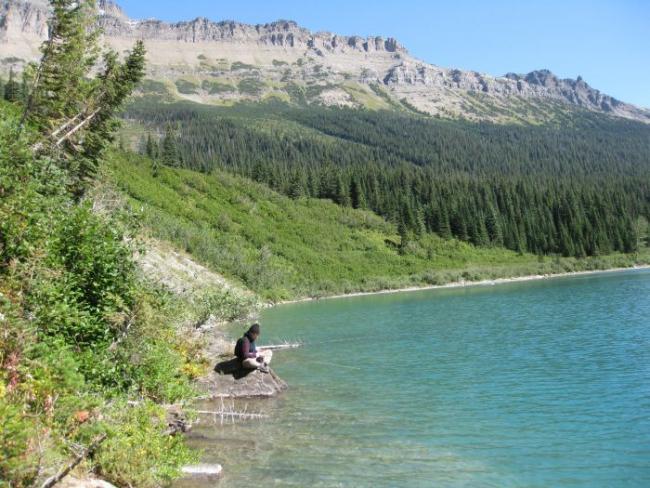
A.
pixel 209 471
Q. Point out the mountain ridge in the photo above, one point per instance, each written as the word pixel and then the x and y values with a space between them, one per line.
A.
pixel 232 61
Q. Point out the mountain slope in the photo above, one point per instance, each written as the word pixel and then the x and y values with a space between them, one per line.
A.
pixel 283 248
pixel 224 62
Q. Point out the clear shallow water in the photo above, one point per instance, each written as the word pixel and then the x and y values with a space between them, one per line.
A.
pixel 539 384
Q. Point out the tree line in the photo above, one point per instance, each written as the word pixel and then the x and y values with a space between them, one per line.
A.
pixel 576 189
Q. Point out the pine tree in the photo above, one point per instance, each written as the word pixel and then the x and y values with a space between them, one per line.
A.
pixel 296 186
pixel 402 230
pixel 444 226
pixel 12 88
pixel 151 147
pixel 62 83
pixel 357 195
pixel 168 151
pixel 493 227
pixel 342 195
pixel 74 109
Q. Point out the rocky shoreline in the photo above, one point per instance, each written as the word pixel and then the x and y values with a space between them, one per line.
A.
pixel 463 284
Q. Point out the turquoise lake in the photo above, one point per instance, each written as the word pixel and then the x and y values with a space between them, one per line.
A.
pixel 536 384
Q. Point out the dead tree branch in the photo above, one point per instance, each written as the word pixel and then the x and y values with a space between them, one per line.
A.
pixel 80 457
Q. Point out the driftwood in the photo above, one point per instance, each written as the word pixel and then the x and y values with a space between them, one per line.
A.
pixel 209 471
pixel 229 413
pixel 80 457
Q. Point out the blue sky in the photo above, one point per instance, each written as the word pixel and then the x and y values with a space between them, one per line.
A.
pixel 607 42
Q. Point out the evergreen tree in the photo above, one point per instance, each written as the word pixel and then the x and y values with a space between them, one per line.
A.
pixel 12 88
pixel 151 147
pixel 296 186
pixel 402 230
pixel 72 108
pixel 168 151
pixel 68 56
pixel 357 195
pixel 342 195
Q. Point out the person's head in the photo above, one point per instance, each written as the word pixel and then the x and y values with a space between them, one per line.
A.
pixel 254 331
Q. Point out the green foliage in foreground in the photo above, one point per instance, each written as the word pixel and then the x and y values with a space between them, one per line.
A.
pixel 82 333
pixel 287 248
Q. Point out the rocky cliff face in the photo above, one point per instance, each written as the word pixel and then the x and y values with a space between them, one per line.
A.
pixel 227 61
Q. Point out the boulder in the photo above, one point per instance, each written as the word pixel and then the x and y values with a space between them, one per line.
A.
pixel 230 380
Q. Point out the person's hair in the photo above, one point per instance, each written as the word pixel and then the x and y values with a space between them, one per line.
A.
pixel 254 329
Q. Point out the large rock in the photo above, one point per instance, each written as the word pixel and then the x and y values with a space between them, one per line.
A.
pixel 72 482
pixel 230 380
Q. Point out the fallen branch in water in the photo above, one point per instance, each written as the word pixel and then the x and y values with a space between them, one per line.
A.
pixel 242 415
pixel 80 457
pixel 225 413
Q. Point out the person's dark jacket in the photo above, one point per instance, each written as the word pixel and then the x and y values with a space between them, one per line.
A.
pixel 245 348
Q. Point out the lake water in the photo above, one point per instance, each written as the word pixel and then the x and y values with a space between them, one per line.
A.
pixel 537 384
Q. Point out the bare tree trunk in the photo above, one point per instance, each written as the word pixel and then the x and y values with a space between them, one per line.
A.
pixel 78 127
pixel 66 125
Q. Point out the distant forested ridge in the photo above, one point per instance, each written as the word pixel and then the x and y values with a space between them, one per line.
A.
pixel 576 188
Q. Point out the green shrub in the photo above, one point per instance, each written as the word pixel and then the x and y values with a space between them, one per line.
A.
pixel 137 452
pixel 100 265
pixel 18 463
pixel 187 87
pixel 224 304
pixel 215 87
pixel 154 87
pixel 238 65
pixel 251 86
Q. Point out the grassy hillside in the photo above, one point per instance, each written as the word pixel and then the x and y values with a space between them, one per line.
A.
pixel 576 189
pixel 284 248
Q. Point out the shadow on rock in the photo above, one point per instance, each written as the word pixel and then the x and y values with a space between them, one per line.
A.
pixel 230 380
pixel 232 367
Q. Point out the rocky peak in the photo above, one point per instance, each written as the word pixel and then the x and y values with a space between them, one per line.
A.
pixel 111 9
pixel 576 91
pixel 282 54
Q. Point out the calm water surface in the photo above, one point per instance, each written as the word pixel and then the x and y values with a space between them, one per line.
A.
pixel 539 384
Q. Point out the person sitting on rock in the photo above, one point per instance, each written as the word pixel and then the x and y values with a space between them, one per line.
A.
pixel 248 354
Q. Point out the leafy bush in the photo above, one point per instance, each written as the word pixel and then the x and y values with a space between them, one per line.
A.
pixel 187 87
pixel 18 464
pixel 224 304
pixel 215 87
pixel 79 330
pixel 238 65
pixel 137 452
pixel 154 87
pixel 251 86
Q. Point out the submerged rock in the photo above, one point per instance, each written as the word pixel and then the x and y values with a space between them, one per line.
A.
pixel 230 380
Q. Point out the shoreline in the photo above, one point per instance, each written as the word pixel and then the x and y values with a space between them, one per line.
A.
pixel 464 284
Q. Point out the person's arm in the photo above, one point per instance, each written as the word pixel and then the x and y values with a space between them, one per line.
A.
pixel 246 350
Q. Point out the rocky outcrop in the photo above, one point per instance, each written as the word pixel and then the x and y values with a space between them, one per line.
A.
pixel 290 61
pixel 230 380
pixel 576 92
